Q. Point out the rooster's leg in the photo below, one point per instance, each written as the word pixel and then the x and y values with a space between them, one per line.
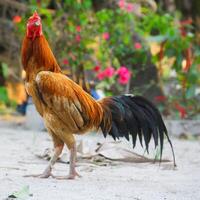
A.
pixel 72 171
pixel 47 171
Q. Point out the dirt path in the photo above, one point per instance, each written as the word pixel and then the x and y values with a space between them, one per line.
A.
pixel 120 181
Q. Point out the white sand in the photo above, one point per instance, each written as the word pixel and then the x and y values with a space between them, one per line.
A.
pixel 121 181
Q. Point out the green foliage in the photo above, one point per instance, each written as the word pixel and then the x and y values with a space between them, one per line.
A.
pixel 4 100
pixel 178 40
pixel 4 69
pixel 3 91
pixel 3 95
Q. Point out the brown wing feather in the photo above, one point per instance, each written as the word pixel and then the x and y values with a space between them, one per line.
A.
pixel 76 108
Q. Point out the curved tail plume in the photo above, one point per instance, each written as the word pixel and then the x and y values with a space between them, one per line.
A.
pixel 134 116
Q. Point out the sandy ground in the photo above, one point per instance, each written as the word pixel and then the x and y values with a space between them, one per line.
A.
pixel 116 181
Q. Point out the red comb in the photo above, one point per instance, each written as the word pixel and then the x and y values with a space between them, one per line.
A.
pixel 35 14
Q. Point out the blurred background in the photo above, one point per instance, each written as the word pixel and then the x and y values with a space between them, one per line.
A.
pixel 110 47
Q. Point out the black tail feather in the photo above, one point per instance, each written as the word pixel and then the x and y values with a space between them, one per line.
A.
pixel 135 116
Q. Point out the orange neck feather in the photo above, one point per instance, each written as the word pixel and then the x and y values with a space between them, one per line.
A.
pixel 37 56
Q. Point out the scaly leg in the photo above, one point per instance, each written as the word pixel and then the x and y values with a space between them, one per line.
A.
pixel 72 171
pixel 47 171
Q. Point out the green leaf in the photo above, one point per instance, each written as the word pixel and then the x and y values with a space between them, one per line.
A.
pixel 83 17
pixel 126 39
pixel 24 193
pixel 5 70
pixel 3 95
pixel 71 28
pixel 87 4
pixel 104 16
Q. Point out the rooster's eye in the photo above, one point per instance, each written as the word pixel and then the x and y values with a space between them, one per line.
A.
pixel 37 23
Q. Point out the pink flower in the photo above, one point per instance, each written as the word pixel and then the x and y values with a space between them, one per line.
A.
pixel 122 70
pixel 101 75
pixel 78 28
pixel 129 7
pixel 65 62
pixel 109 72
pixel 124 75
pixel 17 19
pixel 97 68
pixel 78 38
pixel 121 4
pixel 137 45
pixel 123 80
pixel 106 36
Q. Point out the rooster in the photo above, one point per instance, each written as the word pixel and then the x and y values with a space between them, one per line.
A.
pixel 68 110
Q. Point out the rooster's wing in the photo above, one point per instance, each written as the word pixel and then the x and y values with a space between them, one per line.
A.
pixel 72 105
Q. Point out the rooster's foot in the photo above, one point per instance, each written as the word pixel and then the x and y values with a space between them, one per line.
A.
pixel 70 176
pixel 46 174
